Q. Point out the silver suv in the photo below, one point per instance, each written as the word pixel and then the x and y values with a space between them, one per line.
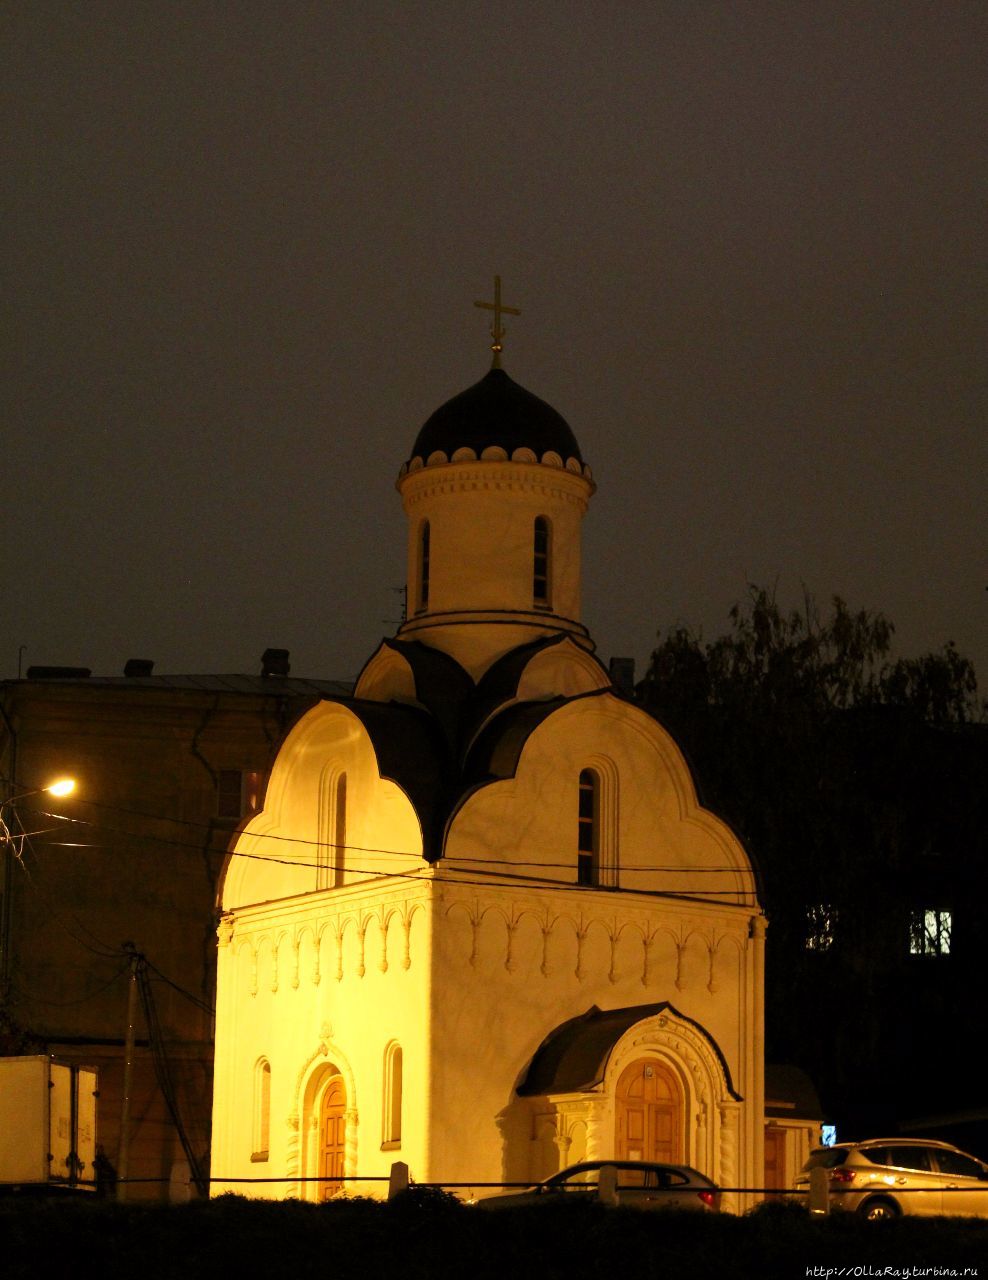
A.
pixel 885 1177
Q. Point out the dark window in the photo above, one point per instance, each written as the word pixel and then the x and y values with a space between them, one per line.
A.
pixel 339 853
pixel 238 792
pixel 900 1157
pixel 588 828
pixel 961 1166
pixel 821 922
pixel 331 852
pixel 424 540
pixel 540 562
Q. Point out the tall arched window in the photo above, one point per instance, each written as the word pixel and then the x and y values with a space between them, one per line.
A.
pixel 331 850
pixel 588 829
pixel 425 538
pixel 541 562
pixel 598 827
pixel 391 1127
pixel 261 1126
pixel 339 832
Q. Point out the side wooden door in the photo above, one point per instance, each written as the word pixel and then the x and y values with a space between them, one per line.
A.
pixel 332 1138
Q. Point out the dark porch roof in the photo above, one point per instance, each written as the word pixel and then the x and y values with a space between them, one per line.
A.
pixel 574 1057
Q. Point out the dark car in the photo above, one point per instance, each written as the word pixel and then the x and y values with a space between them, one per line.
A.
pixel 639 1186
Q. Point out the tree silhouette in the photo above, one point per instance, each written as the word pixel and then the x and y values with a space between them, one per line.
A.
pixel 857 781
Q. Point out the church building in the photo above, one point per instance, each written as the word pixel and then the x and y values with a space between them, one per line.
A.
pixel 481 924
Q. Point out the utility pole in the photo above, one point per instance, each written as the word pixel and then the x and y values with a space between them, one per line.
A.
pixel 123 1146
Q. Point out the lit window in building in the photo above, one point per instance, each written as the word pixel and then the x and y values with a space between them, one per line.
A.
pixel 588 833
pixel 391 1128
pixel 425 538
pixel 821 921
pixel 929 932
pixel 540 562
pixel 238 792
pixel 262 1111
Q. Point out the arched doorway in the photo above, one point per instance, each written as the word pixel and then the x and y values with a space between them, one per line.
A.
pixel 332 1137
pixel 649 1113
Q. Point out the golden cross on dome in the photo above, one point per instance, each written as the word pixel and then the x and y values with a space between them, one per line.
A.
pixel 497 329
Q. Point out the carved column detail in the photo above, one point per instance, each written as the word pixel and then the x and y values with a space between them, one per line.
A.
pixel 728 1151
pixel 362 937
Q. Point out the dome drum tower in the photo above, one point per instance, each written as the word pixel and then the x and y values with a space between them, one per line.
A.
pixel 495 492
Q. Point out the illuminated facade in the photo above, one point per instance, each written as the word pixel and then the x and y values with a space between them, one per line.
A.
pixel 482 924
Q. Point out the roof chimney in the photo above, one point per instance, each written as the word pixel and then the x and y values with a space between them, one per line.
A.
pixel 138 667
pixel 274 662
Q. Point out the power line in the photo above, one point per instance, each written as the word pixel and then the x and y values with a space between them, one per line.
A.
pixel 377 873
pixel 163 1071
pixel 71 1004
pixel 200 1004
pixel 327 845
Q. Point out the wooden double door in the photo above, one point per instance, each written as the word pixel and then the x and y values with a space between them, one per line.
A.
pixel 332 1138
pixel 649 1113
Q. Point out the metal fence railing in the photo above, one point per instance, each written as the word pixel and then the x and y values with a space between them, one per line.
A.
pixel 820 1196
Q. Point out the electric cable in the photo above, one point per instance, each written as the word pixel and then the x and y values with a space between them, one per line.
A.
pixel 661 868
pixel 163 1071
pixel 101 948
pixel 377 873
pixel 200 1004
pixel 69 1004
pixel 315 844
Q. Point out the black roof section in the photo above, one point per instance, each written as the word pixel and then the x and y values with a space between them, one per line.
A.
pixel 790 1093
pixel 410 751
pixel 496 411
pixel 441 685
pixel 573 1058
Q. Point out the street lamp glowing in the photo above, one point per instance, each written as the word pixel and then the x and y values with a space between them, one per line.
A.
pixel 63 787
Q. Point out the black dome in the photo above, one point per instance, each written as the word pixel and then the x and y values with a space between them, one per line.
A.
pixel 496 411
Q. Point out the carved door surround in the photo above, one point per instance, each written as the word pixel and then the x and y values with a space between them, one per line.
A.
pixel 325 1091
pixel 710 1108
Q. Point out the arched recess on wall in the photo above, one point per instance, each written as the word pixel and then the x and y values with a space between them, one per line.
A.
pixel 325 1082
pixel 261 1111
pixel 576 1073
pixel 691 1058
pixel 394 1070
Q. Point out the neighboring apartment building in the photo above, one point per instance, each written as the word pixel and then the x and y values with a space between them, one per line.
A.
pixel 122 880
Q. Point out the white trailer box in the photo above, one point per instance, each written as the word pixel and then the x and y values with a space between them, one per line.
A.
pixel 47 1123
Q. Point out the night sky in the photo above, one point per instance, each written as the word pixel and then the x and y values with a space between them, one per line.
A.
pixel 242 242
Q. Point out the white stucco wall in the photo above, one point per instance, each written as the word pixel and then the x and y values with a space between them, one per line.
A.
pixel 512 964
pixel 323 982
pixel 660 838
pixel 481 517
